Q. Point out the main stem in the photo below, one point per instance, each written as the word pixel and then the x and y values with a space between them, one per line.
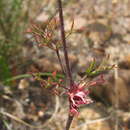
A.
pixel 70 118
pixel 64 42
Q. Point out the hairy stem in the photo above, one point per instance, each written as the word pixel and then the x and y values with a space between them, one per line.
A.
pixel 64 42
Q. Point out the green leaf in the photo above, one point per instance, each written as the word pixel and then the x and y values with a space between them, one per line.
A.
pixel 93 71
pixel 91 67
pixel 30 75
pixel 5 72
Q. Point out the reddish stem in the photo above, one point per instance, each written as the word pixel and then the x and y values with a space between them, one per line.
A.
pixel 69 121
pixel 60 61
pixel 69 74
pixel 64 42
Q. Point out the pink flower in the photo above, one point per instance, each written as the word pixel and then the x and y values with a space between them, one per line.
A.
pixel 78 95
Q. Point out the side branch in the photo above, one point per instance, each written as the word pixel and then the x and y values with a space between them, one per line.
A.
pixel 60 61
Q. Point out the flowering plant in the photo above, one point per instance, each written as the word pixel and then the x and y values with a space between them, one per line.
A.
pixel 78 93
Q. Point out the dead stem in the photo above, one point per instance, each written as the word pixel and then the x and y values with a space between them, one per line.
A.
pixel 117 99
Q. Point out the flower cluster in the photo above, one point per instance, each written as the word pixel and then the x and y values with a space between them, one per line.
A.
pixel 79 94
pixel 45 35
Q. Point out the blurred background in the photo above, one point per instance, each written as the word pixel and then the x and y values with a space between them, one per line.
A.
pixel 101 28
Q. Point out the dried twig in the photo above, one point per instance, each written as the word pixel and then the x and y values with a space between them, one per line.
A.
pixel 29 125
pixel 117 99
pixel 96 121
